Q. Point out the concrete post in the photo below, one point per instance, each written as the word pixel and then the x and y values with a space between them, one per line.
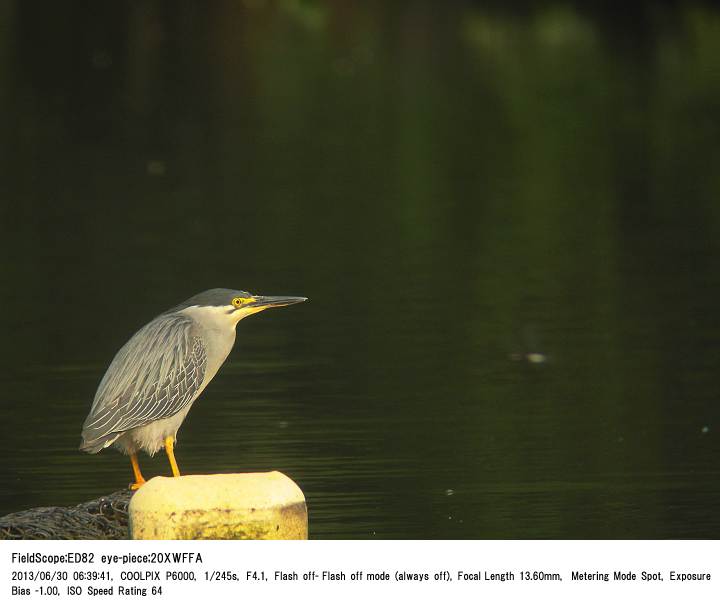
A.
pixel 219 506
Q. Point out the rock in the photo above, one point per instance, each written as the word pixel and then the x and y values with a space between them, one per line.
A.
pixel 266 505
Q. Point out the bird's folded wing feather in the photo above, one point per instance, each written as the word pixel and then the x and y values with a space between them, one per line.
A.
pixel 154 376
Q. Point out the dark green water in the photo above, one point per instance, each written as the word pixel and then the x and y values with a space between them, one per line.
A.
pixel 455 188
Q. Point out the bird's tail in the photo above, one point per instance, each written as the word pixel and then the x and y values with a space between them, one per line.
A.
pixel 92 445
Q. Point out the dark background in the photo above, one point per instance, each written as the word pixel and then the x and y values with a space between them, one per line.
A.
pixel 507 221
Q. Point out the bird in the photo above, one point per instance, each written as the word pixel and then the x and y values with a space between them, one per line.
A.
pixel 154 379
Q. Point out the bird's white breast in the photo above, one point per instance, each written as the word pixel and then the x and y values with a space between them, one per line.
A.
pixel 217 332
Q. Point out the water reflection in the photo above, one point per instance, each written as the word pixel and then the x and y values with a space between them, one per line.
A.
pixel 454 187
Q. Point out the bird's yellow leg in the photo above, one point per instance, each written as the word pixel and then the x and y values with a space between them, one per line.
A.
pixel 139 480
pixel 169 441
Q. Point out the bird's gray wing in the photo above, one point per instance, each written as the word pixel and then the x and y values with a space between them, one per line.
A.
pixel 154 376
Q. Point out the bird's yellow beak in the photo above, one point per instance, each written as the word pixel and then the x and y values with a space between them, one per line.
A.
pixel 260 303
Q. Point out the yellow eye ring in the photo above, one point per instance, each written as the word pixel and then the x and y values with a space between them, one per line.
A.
pixel 239 302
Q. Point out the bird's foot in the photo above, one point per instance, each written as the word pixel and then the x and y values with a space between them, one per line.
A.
pixel 137 484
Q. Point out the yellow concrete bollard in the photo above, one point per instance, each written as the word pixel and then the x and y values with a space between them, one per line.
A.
pixel 220 506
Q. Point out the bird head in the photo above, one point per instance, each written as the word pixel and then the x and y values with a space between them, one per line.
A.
pixel 238 304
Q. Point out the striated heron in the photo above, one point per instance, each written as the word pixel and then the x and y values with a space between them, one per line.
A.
pixel 156 377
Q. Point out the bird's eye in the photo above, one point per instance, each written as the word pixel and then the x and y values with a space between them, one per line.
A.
pixel 238 302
